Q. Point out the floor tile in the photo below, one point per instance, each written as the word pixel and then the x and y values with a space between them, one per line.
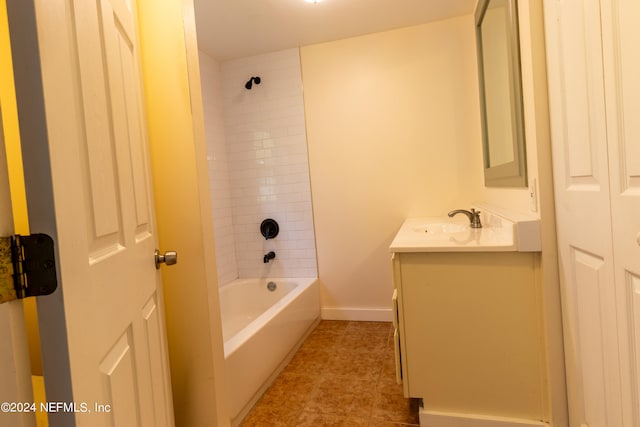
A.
pixel 342 375
pixel 309 360
pixel 340 395
pixel 312 419
pixel 356 364
pixel 391 405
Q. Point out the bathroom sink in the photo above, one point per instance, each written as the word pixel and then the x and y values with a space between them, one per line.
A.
pixel 442 234
pixel 441 228
pixel 501 232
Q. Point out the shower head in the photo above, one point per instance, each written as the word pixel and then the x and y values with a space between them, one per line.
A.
pixel 251 81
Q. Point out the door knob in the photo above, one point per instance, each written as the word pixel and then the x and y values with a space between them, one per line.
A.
pixel 169 258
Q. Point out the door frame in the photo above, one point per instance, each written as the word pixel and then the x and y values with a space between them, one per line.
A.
pixel 37 172
pixel 15 369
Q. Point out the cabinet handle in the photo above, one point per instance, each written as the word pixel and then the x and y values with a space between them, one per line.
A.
pixel 394 303
pixel 396 342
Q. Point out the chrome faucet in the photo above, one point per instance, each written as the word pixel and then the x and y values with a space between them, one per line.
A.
pixel 473 215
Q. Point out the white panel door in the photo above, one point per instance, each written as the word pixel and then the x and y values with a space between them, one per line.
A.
pixel 104 215
pixel 621 35
pixel 581 175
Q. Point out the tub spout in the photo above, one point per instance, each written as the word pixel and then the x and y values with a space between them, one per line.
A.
pixel 269 256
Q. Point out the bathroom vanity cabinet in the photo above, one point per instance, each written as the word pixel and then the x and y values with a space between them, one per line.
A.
pixel 469 332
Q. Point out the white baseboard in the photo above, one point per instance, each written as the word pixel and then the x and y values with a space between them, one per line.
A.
pixel 452 419
pixel 357 314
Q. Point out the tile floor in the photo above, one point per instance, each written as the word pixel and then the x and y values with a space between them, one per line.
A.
pixel 343 375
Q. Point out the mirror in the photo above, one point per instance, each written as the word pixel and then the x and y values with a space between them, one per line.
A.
pixel 501 93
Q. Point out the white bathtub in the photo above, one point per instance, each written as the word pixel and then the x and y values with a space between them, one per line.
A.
pixel 260 329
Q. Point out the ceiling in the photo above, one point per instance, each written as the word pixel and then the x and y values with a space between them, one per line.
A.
pixel 229 29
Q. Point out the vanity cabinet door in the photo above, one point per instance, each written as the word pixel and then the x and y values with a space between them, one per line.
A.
pixel 472 332
pixel 398 341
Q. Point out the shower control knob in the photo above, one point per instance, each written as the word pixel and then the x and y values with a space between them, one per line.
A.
pixel 168 258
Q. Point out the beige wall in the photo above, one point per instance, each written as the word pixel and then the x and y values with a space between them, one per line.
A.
pixel 178 155
pixel 393 128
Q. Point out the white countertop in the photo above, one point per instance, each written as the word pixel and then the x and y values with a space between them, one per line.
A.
pixel 444 234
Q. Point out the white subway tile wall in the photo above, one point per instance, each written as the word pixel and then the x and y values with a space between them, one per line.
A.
pixel 218 165
pixel 267 171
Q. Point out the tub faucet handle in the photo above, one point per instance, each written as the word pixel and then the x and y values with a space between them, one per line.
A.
pixel 269 256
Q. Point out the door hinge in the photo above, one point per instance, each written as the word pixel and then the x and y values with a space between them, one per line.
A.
pixel 27 267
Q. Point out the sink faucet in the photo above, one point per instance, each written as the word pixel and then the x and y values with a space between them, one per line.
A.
pixel 473 215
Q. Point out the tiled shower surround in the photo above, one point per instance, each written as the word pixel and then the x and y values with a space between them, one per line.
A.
pixel 258 166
